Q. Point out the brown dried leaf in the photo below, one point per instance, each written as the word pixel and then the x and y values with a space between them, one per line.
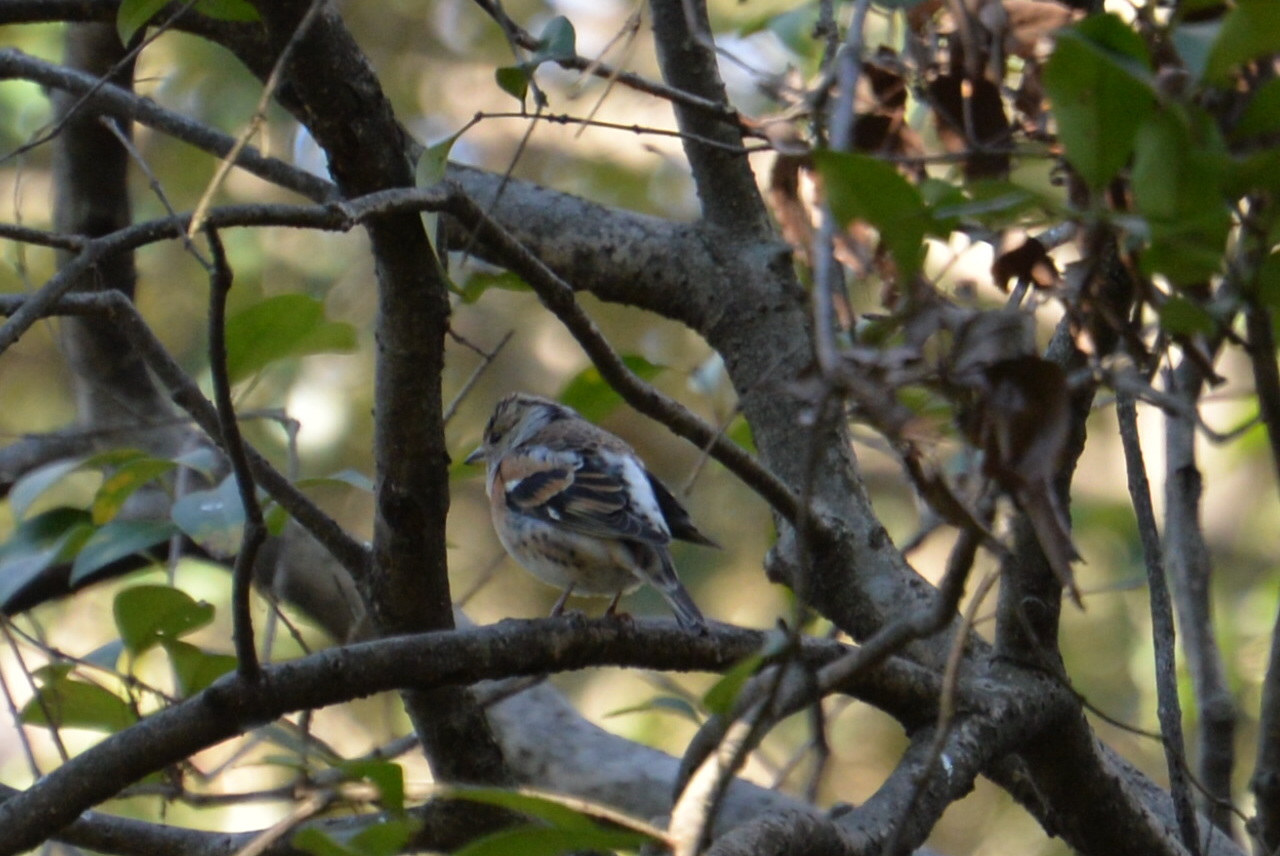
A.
pixel 1021 423
pixel 1030 261
pixel 1030 23
pixel 971 118
pixel 790 209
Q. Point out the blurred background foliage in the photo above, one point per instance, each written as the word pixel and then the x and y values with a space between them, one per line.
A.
pixel 436 59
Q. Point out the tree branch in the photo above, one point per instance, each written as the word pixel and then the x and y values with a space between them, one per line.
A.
pixel 231 706
pixel 1169 710
pixel 726 185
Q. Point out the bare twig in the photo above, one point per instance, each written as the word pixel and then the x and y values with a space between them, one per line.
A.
pixel 123 104
pixel 828 273
pixel 255 530
pixel 1170 711
pixel 1266 777
pixel 528 41
pixel 255 122
pixel 486 360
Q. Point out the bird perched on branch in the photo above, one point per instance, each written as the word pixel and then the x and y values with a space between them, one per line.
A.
pixel 577 508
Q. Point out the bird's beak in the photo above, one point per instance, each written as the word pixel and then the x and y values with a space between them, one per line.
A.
pixel 475 457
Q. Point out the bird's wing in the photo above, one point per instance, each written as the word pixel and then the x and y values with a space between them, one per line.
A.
pixel 678 520
pixel 591 491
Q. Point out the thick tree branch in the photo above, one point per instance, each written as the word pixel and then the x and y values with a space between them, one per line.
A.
pixel 231 707
pixel 341 101
pixel 726 185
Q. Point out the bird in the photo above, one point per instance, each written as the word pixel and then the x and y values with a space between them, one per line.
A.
pixel 576 506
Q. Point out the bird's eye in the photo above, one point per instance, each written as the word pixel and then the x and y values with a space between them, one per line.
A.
pixel 493 437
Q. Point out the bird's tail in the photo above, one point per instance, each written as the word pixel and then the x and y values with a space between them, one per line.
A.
pixel 664 579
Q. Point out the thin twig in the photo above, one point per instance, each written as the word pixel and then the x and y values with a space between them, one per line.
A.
pixel 828 273
pixel 255 530
pixel 124 104
pixel 40 699
pixel 153 181
pixel 350 553
pixel 639 130
pixel 23 738
pixel 1169 709
pixel 528 41
pixel 486 360
pixel 259 116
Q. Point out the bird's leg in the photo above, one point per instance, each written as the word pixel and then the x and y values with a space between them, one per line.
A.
pixel 613 606
pixel 564 598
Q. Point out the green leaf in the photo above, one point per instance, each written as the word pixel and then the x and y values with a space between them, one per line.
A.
pixel 46 539
pixel 228 10
pixel 1259 171
pixel 287 325
pixel 723 694
pixel 992 203
pixel 1100 85
pixel 314 840
pixel 194 669
pixel 1179 172
pixel 342 478
pixel 478 283
pixel 117 487
pixel 385 838
pixel 275 518
pixel 148 615
pixel 430 170
pixel 133 15
pixel 386 776
pixel 541 841
pixel 29 488
pixel 1249 31
pixel 557 42
pixel 542 806
pixel 740 433
pixel 1180 316
pixel 214 519
pixel 794 28
pixel 1268 285
pixel 720 698
pixel 1262 113
pixel 860 187
pixel 589 394
pixel 661 704
pixel 203 460
pixel 1193 42
pixel 105 656
pixel 62 702
pixel 513 80
pixel 118 539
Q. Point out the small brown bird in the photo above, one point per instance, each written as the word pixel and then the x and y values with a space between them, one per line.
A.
pixel 576 506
